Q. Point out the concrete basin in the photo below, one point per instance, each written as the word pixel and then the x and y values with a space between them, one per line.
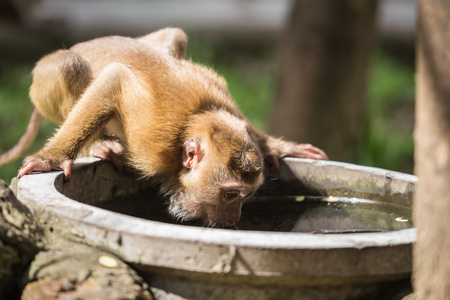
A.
pixel 303 258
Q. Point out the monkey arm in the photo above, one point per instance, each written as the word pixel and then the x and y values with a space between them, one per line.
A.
pixel 98 104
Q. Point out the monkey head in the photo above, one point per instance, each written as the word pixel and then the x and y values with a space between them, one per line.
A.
pixel 222 168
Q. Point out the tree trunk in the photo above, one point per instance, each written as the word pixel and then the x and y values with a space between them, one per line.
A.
pixel 20 240
pixel 432 137
pixel 324 58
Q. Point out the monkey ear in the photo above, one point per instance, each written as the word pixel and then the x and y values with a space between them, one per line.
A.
pixel 192 153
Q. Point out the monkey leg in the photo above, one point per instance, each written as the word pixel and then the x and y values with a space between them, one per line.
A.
pixel 59 79
pixel 99 103
pixel 172 41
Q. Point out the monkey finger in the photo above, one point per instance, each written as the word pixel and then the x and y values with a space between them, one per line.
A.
pixel 317 154
pixel 66 167
pixel 323 156
pixel 25 170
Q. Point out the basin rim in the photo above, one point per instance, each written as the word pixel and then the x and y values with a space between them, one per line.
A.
pixel 39 192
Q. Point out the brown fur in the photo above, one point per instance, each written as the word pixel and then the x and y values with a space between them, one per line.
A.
pixel 170 118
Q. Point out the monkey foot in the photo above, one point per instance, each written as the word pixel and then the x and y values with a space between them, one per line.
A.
pixel 34 164
pixel 110 150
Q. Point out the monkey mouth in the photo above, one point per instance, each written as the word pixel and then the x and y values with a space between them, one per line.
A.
pixel 183 215
pixel 227 224
pixel 214 224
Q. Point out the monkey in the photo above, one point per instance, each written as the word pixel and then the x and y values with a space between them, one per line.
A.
pixel 139 103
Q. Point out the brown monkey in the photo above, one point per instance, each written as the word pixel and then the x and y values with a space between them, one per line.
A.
pixel 139 102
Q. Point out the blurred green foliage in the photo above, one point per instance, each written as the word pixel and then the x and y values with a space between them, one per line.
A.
pixel 388 139
pixel 250 72
pixel 15 110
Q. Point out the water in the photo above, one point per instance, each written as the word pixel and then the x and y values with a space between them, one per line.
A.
pixel 330 215
pixel 311 214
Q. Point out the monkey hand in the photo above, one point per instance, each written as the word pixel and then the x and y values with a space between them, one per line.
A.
pixel 290 149
pixel 303 151
pixel 37 163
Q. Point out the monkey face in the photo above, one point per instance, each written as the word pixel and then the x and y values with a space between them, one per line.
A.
pixel 227 209
pixel 217 205
pixel 212 191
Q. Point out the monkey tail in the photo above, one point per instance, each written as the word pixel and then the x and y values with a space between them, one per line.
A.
pixel 25 141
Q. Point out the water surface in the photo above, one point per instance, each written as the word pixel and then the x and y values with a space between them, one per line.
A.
pixel 311 214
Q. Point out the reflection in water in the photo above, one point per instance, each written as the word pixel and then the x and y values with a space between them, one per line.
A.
pixel 313 214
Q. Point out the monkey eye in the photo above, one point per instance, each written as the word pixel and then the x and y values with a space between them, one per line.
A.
pixel 230 195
